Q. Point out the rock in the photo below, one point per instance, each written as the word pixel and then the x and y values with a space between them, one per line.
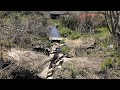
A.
pixel 51 69
pixel 68 56
pixel 53 48
pixel 44 73
pixel 60 55
pixel 110 46
pixel 50 78
pixel 60 67
pixel 59 62
pixel 62 44
pixel 51 55
pixel 49 74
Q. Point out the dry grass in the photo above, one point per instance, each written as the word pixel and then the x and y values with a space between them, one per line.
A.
pixel 86 42
pixel 75 67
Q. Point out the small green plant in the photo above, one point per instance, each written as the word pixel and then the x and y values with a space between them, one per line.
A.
pixel 74 35
pixel 65 32
pixel 106 64
pixel 103 32
pixel 104 42
pixel 48 43
pixel 62 41
pixel 7 44
pixel 65 49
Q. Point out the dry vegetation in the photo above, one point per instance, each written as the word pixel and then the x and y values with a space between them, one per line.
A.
pixel 92 39
pixel 98 40
pixel 19 30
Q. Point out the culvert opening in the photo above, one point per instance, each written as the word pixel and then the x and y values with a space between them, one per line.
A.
pixel 22 73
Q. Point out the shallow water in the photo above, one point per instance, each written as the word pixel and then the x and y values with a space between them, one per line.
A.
pixel 54 32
